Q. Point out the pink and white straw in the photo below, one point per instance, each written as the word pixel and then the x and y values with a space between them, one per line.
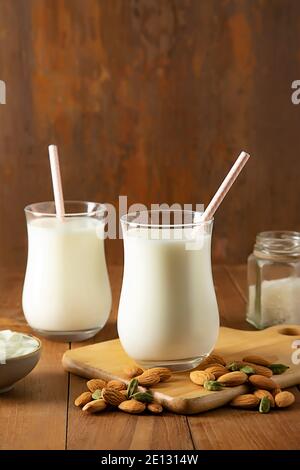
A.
pixel 225 186
pixel 56 182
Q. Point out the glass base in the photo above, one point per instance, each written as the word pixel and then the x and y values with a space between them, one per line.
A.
pixel 68 336
pixel 180 365
pixel 253 323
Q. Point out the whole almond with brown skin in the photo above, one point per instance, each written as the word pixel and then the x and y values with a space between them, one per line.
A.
pixel 155 408
pixel 217 358
pixel 284 399
pixel 133 371
pixel 146 380
pixel 260 370
pixel 213 364
pixel 276 391
pixel 112 397
pixel 116 385
pixel 95 384
pixel 213 359
pixel 260 361
pixel 83 399
pixel 95 406
pixel 132 406
pixel 232 379
pixel 260 381
pixel 217 370
pixel 245 401
pixel 265 393
pixel 206 363
pixel 163 372
pixel 124 393
pixel 198 377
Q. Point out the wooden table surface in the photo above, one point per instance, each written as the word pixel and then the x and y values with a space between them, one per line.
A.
pixel 39 412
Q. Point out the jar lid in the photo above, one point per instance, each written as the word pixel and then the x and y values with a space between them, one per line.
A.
pixel 278 243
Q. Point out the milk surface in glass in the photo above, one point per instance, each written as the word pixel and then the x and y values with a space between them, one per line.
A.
pixel 168 313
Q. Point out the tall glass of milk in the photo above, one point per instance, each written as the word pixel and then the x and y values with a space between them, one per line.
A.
pixel 168 313
pixel 66 293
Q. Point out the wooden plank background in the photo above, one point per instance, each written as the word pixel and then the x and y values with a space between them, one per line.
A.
pixel 152 99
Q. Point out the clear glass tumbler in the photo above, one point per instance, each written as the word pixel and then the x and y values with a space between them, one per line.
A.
pixel 66 293
pixel 168 313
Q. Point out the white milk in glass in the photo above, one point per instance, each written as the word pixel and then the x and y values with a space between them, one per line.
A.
pixel 168 312
pixel 66 285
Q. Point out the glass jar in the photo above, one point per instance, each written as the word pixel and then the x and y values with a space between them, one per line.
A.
pixel 274 279
pixel 168 312
pixel 66 295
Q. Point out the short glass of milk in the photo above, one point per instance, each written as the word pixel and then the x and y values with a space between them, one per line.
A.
pixel 168 313
pixel 66 293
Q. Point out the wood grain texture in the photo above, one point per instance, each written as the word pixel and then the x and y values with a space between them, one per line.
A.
pixel 123 431
pixel 34 414
pixel 117 430
pixel 151 99
pixel 218 429
pixel 107 360
pixel 40 406
pixel 255 431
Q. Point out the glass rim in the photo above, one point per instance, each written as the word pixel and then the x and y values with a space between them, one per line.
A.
pixel 33 209
pixel 280 235
pixel 124 219
pixel 279 244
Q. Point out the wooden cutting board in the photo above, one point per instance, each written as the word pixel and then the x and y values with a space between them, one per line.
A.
pixel 107 360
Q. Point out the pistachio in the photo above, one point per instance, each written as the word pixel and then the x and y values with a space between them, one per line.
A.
pixel 213 385
pixel 265 405
pixel 144 397
pixel 132 387
pixel 97 394
pixel 278 368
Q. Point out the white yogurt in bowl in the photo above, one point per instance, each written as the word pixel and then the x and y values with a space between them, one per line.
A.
pixel 14 344
pixel 19 354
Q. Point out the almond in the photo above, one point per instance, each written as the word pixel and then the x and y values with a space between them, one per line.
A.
pixel 211 364
pixel 132 406
pixel 112 396
pixel 148 379
pixel 260 361
pixel 217 358
pixel 155 408
pixel 231 379
pixel 83 399
pixel 133 371
pixel 116 385
pixel 260 370
pixel 260 381
pixel 198 377
pixel 95 406
pixel 95 384
pixel 213 359
pixel 124 393
pixel 284 399
pixel 265 393
pixel 276 391
pixel 245 401
pixel 217 370
pixel 163 372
